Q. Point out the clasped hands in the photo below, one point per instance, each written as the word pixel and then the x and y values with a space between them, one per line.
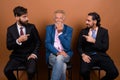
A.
pixel 62 53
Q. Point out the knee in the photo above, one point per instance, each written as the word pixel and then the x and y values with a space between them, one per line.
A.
pixel 114 74
pixel 84 72
pixel 30 71
pixel 60 58
pixel 7 71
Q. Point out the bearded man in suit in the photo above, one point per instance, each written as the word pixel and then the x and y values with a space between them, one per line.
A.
pixel 24 41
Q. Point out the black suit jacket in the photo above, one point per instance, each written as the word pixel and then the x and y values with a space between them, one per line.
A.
pixel 32 45
pixel 100 46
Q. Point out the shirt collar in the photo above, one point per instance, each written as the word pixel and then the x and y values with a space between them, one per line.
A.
pixel 94 29
pixel 19 26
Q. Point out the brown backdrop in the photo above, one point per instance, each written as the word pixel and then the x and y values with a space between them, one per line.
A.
pixel 41 14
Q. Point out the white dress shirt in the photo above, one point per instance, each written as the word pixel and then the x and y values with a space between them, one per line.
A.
pixel 57 43
pixel 24 32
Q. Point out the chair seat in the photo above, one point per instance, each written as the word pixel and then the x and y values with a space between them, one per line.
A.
pixel 96 68
pixel 23 68
pixel 69 65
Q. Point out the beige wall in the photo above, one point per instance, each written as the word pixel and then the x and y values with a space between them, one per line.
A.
pixel 41 14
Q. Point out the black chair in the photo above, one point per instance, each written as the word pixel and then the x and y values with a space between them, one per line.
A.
pixel 98 69
pixel 23 68
pixel 69 69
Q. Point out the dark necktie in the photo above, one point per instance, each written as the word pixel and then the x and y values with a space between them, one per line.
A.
pixel 21 31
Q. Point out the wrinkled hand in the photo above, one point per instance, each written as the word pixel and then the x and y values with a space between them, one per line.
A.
pixel 63 53
pixel 33 56
pixel 23 38
pixel 89 38
pixel 86 58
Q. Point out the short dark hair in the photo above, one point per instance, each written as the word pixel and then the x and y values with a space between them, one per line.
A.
pixel 95 16
pixel 19 10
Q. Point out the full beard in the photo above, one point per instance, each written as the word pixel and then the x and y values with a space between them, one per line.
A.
pixel 23 23
pixel 90 26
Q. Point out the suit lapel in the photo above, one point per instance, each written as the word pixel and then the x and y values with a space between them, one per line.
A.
pixel 53 33
pixel 98 33
pixel 64 28
pixel 87 31
pixel 15 31
pixel 27 29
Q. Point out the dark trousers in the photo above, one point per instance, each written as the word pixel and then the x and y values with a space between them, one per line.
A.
pixel 14 63
pixel 105 62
